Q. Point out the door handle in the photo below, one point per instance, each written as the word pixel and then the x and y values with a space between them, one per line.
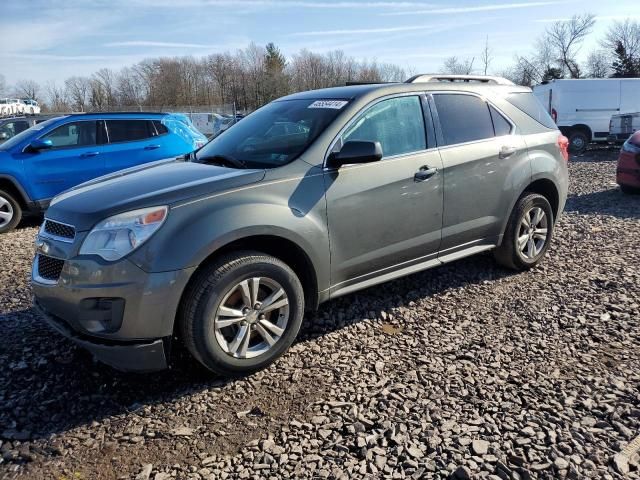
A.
pixel 425 173
pixel 151 147
pixel 89 154
pixel 506 152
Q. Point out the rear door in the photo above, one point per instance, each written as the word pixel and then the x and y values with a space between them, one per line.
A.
pixel 483 159
pixel 75 157
pixel 133 142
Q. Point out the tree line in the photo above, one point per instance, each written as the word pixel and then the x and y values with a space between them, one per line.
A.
pixel 256 75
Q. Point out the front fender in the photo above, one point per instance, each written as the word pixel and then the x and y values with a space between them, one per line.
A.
pixel 196 230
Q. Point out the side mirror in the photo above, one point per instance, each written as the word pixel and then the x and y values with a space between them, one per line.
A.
pixel 39 144
pixel 355 152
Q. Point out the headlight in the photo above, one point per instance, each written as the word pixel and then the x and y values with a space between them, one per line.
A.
pixel 121 234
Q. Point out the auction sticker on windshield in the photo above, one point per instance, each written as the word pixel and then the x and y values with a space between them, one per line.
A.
pixel 335 104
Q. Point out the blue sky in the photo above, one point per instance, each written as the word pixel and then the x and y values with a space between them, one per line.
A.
pixel 51 40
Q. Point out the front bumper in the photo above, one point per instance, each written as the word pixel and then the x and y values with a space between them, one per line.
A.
pixel 122 314
pixel 134 357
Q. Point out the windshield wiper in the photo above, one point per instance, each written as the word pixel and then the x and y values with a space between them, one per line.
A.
pixel 221 160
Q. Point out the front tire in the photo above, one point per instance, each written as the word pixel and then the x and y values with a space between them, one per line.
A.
pixel 528 234
pixel 10 212
pixel 578 141
pixel 241 313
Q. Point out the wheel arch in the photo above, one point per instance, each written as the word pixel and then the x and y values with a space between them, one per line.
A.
pixel 11 186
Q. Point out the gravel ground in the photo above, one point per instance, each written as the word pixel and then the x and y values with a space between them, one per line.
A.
pixel 464 371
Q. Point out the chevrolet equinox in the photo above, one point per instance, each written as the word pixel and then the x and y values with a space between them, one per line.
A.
pixel 313 196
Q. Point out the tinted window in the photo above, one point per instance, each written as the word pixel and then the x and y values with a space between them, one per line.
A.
pixel 529 104
pixel 160 128
pixel 463 118
pixel 128 130
pixel 396 123
pixel 75 134
pixel 500 124
pixel 13 128
pixel 252 142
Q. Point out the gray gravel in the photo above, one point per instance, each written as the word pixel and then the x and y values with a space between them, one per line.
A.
pixel 465 371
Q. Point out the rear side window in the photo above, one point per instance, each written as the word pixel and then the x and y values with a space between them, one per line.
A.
pixel 397 123
pixel 500 124
pixel 463 118
pixel 75 134
pixel 161 129
pixel 129 130
pixel 529 104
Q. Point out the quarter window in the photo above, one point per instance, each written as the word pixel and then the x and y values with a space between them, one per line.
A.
pixel 129 130
pixel 397 123
pixel 500 124
pixel 161 129
pixel 75 134
pixel 463 118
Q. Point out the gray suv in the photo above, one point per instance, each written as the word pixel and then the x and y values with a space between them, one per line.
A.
pixel 314 196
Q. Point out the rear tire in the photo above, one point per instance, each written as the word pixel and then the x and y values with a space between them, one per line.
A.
pixel 578 141
pixel 10 212
pixel 528 234
pixel 241 313
pixel 627 190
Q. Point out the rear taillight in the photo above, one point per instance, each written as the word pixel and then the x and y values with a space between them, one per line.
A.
pixel 563 146
pixel 554 115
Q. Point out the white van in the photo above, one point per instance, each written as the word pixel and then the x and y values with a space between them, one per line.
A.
pixel 583 108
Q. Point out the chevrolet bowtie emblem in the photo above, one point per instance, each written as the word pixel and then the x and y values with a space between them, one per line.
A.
pixel 42 246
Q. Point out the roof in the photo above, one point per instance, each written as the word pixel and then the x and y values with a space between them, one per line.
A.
pixel 352 92
pixel 117 114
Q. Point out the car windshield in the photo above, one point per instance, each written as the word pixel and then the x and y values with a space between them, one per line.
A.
pixel 26 133
pixel 272 136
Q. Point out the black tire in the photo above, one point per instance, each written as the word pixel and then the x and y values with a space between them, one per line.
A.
pixel 508 253
pixel 206 294
pixel 9 205
pixel 578 141
pixel 627 190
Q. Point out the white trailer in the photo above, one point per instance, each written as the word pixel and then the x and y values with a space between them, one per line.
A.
pixel 583 108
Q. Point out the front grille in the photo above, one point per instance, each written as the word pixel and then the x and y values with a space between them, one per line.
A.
pixel 59 229
pixel 49 268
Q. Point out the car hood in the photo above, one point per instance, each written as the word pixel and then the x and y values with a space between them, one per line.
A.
pixel 158 183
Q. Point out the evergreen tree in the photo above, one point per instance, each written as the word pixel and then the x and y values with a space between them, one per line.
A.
pixel 625 66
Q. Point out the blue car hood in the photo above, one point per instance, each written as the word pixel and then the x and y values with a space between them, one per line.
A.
pixel 153 184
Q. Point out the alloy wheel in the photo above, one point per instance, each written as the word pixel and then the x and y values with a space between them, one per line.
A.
pixel 252 317
pixel 6 212
pixel 533 233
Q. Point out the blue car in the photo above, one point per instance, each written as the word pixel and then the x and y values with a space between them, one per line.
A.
pixel 60 153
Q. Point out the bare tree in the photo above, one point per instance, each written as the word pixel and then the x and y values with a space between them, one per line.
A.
pixel 454 66
pixel 28 89
pixel 598 64
pixel 3 85
pixel 486 57
pixel 627 33
pixel 56 98
pixel 78 89
pixel 565 37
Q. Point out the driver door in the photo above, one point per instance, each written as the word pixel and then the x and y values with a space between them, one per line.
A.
pixel 385 216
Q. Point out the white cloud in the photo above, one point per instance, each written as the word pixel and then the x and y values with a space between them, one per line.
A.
pixel 478 8
pixel 151 43
pixel 362 30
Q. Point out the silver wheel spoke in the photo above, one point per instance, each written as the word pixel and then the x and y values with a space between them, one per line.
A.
pixel 228 322
pixel 6 216
pixel 240 340
pixel 246 293
pixel 522 241
pixel 531 248
pixel 273 306
pixel 537 216
pixel 265 335
pixel 230 312
pixel 255 286
pixel 540 233
pixel 272 298
pixel 525 221
pixel 3 202
pixel 272 328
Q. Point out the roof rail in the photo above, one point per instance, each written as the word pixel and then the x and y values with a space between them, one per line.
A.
pixel 422 78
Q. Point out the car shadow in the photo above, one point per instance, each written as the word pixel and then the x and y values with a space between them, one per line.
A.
pixel 49 387
pixel 605 202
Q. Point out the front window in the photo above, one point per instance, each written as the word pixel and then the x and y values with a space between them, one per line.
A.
pixel 74 134
pixel 27 133
pixel 272 136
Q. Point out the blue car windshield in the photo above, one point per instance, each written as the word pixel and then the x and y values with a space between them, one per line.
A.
pixel 15 140
pixel 272 136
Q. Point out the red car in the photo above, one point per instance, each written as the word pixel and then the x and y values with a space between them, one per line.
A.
pixel 628 172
